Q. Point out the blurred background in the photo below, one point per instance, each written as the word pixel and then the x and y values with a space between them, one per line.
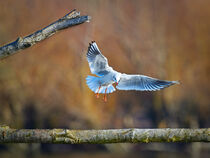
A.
pixel 44 86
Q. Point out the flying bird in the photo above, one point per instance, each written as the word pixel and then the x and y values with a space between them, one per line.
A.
pixel 107 77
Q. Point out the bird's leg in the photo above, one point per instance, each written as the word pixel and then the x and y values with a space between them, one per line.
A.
pixel 97 94
pixel 105 99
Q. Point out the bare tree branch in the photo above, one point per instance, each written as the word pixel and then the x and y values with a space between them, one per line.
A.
pixel 65 136
pixel 70 19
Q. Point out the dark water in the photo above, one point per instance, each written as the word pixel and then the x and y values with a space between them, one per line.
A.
pixel 109 155
pixel 153 150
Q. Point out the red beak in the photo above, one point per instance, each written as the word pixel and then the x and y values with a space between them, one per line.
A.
pixel 115 85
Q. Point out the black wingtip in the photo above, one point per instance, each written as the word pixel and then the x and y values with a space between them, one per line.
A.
pixel 90 44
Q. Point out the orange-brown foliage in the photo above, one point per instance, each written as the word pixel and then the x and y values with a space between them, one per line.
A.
pixel 163 39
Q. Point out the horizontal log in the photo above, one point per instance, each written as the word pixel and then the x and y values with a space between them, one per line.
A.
pixel 133 135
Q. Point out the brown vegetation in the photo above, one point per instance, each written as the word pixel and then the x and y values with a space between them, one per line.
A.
pixel 44 86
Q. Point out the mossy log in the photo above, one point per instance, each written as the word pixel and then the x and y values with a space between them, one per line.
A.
pixel 71 19
pixel 66 136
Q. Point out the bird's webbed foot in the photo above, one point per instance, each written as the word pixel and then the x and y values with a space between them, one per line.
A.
pixel 97 94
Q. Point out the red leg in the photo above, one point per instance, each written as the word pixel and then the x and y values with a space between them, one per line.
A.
pixel 97 94
pixel 105 99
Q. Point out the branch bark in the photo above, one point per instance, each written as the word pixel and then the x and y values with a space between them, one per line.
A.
pixel 70 19
pixel 66 136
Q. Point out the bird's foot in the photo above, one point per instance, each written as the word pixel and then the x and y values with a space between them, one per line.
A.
pixel 105 98
pixel 97 95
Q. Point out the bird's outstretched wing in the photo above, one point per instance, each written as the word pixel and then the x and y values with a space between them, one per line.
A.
pixel 142 83
pixel 97 62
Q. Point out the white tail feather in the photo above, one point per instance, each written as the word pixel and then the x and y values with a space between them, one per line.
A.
pixel 93 84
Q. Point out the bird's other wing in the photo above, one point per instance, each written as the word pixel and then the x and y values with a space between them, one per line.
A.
pixel 97 62
pixel 142 83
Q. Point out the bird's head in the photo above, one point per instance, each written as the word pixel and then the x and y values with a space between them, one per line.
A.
pixel 116 78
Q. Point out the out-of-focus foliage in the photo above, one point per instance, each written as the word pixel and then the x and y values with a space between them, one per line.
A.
pixel 44 86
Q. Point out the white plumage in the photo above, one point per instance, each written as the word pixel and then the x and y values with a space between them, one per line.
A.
pixel 107 76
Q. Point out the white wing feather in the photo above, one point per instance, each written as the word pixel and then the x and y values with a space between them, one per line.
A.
pixel 142 83
pixel 97 62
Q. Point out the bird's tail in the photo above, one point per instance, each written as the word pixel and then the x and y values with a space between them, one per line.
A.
pixel 108 89
pixel 94 84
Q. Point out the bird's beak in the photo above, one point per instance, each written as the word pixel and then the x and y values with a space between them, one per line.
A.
pixel 116 85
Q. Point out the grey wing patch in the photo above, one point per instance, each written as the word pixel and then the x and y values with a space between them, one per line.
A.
pixel 142 83
pixel 97 62
pixel 102 73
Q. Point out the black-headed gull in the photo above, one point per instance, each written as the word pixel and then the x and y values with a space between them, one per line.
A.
pixel 106 76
